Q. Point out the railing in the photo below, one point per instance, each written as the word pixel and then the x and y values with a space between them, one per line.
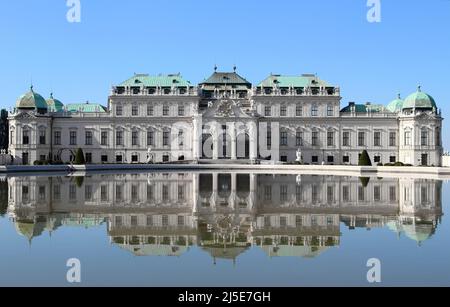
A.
pixel 369 114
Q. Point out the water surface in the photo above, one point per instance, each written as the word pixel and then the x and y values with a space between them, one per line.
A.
pixel 223 229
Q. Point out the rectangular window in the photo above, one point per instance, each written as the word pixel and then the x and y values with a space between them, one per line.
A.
pixel 392 193
pixel 424 137
pixel 392 159
pixel 150 139
pixel 57 138
pixel 165 110
pixel 88 158
pixel 134 159
pixel 283 138
pixel 314 111
pixel 165 158
pixel 119 192
pixel 104 158
pixel 283 110
pixel 315 159
pixel 72 192
pixel 134 138
pixel 330 111
pixel 267 111
pixel 267 192
pixel 134 193
pixel 392 139
pixel 283 192
pixel 346 159
pixel 104 193
pixel 438 137
pixel 346 193
pixel 149 110
pixel 57 192
pixel 407 138
pixel 88 192
pixel 361 193
pixel 181 194
pixel 119 138
pixel 25 137
pixel 346 138
pixel 180 110
pixel 330 193
pixel 315 138
pixel 299 138
pixel 119 158
pixel 42 137
pixel 330 138
pixel 376 193
pixel 165 192
pixel 119 110
pixel 330 159
pixel 377 159
pixel 42 192
pixel 73 138
pixel 377 138
pixel 104 138
pixel 269 138
pixel 298 110
pixel 361 138
pixel 166 138
pixel 88 138
pixel 134 110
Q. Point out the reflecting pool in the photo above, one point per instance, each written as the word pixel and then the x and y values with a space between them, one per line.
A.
pixel 223 229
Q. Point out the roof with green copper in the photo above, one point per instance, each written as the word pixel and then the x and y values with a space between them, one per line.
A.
pixel 225 78
pixel 154 81
pixel 396 105
pixel 363 108
pixel 54 105
pixel 304 80
pixel 86 107
pixel 31 100
pixel 419 100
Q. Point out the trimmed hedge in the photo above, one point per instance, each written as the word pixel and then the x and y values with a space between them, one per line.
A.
pixel 364 159
pixel 79 157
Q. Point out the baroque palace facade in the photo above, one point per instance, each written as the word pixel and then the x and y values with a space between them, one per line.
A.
pixel 165 118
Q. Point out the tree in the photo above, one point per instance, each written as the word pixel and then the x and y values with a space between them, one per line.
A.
pixel 364 159
pixel 79 157
pixel 4 129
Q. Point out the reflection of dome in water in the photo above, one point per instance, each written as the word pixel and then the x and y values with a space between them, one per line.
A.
pixel 293 251
pixel 231 251
pixel 419 231
pixel 29 229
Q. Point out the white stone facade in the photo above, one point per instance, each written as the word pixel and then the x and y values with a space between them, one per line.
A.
pixel 226 118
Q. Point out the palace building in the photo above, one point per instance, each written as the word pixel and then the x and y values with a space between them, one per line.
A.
pixel 165 118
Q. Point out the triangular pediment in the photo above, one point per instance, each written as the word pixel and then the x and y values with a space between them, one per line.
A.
pixel 25 115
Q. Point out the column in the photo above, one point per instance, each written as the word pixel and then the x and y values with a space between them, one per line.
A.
pixel 253 134
pixel 216 138
pixel 232 129
pixel 196 138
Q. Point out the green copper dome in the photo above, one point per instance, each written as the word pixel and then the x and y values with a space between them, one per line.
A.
pixel 419 100
pixel 31 100
pixel 396 105
pixel 54 105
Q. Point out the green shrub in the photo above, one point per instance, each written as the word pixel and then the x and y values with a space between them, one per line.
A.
pixel 380 164
pixel 79 157
pixel 364 181
pixel 399 164
pixel 389 164
pixel 364 159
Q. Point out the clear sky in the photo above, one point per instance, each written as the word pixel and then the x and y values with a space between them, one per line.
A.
pixel 370 61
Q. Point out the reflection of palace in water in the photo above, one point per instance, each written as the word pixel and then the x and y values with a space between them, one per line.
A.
pixel 225 214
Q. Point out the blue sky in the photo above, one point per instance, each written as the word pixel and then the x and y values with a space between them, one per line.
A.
pixel 370 61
